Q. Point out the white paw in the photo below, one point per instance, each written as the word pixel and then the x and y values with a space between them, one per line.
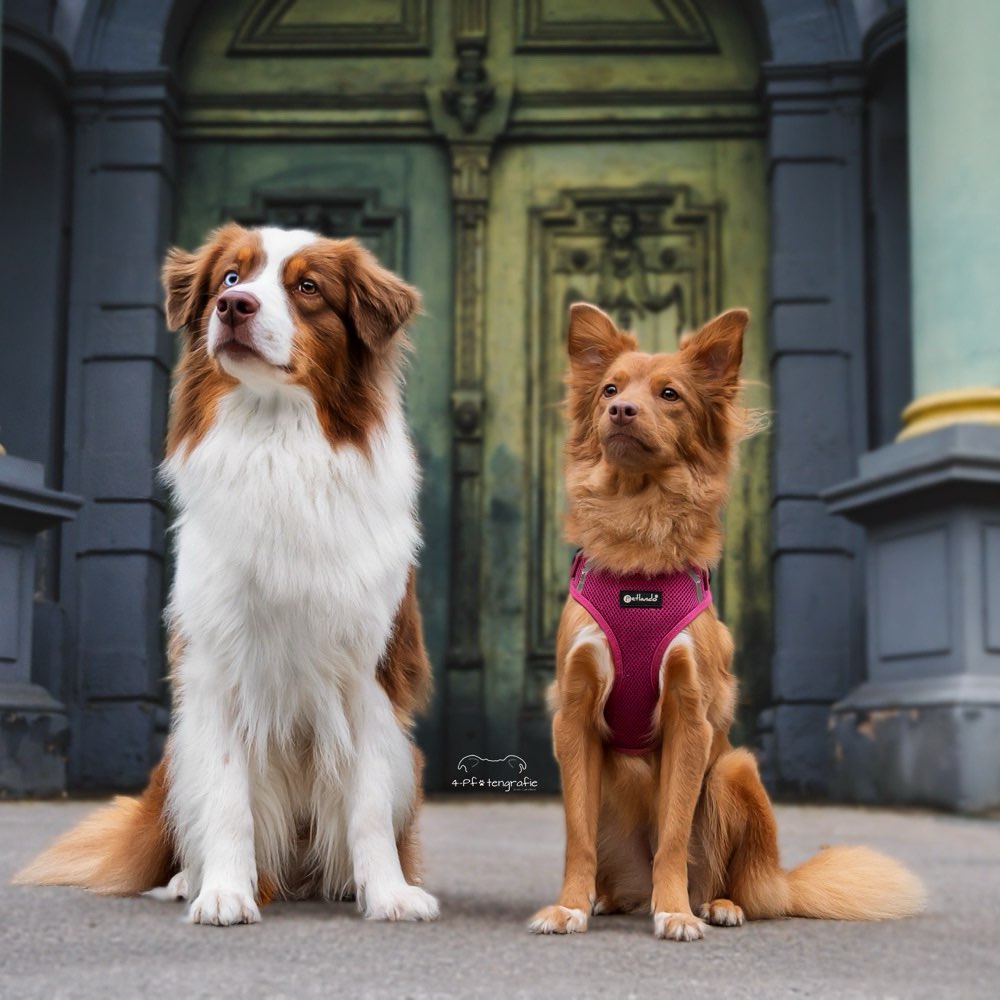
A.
pixel 407 902
pixel 175 889
pixel 558 920
pixel 678 926
pixel 223 907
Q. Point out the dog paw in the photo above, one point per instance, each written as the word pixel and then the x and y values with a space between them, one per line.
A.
pixel 678 926
pixel 223 907
pixel 408 902
pixel 721 913
pixel 558 920
pixel 176 889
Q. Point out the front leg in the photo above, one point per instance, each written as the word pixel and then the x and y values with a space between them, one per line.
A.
pixel 684 756
pixel 580 752
pixel 380 798
pixel 209 803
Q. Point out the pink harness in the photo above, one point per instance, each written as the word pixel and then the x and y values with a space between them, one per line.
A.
pixel 640 617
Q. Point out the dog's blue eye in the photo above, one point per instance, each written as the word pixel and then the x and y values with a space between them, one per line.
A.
pixel 670 394
pixel 610 389
pixel 231 278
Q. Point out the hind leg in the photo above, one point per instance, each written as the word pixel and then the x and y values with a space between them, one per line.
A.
pixel 737 873
pixel 623 869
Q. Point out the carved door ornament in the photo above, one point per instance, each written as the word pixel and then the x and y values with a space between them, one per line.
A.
pixel 623 286
pixel 471 95
pixel 647 259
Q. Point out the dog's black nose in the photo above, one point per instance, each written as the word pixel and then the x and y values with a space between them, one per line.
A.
pixel 622 412
pixel 235 308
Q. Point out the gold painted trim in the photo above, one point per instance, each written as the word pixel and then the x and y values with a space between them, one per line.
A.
pixel 973 405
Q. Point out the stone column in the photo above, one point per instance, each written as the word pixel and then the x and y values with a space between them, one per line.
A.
pixel 816 325
pixel 955 213
pixel 118 365
pixel 925 726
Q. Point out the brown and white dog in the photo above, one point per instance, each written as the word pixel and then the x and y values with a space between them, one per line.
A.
pixel 681 825
pixel 296 651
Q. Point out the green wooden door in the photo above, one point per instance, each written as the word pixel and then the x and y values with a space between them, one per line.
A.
pixel 508 158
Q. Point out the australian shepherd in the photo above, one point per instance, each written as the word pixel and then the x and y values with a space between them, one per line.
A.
pixel 295 645
pixel 661 811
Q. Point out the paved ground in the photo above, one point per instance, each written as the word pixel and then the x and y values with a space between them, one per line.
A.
pixel 492 863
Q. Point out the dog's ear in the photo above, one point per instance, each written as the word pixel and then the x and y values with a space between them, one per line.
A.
pixel 593 340
pixel 716 350
pixel 379 303
pixel 186 276
pixel 180 282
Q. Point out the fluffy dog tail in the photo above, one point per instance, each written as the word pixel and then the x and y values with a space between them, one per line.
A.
pixel 854 883
pixel 122 849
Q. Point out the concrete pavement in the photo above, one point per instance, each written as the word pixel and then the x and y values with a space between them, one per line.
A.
pixel 492 862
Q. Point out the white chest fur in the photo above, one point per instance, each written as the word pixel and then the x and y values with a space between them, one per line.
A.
pixel 292 555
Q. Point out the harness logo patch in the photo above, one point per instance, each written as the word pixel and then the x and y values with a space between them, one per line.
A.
pixel 640 599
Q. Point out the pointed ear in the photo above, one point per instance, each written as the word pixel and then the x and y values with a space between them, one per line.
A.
pixel 593 340
pixel 716 350
pixel 379 303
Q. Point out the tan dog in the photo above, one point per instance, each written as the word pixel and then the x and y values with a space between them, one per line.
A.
pixel 682 824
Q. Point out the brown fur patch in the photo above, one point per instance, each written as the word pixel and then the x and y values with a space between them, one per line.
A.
pixel 347 344
pixel 120 850
pixel 404 670
pixel 192 282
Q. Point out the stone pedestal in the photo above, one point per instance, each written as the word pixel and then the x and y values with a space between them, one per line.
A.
pixel 925 726
pixel 33 726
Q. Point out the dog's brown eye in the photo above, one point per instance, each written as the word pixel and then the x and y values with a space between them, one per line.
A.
pixel 670 394
pixel 307 287
pixel 610 389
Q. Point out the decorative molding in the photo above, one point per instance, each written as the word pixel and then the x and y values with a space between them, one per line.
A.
pixel 644 25
pixel 650 256
pixel 271 28
pixel 465 662
pixel 470 19
pixel 399 117
pixel 884 36
pixel 46 53
pixel 471 95
pixel 337 213
pixel 969 405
